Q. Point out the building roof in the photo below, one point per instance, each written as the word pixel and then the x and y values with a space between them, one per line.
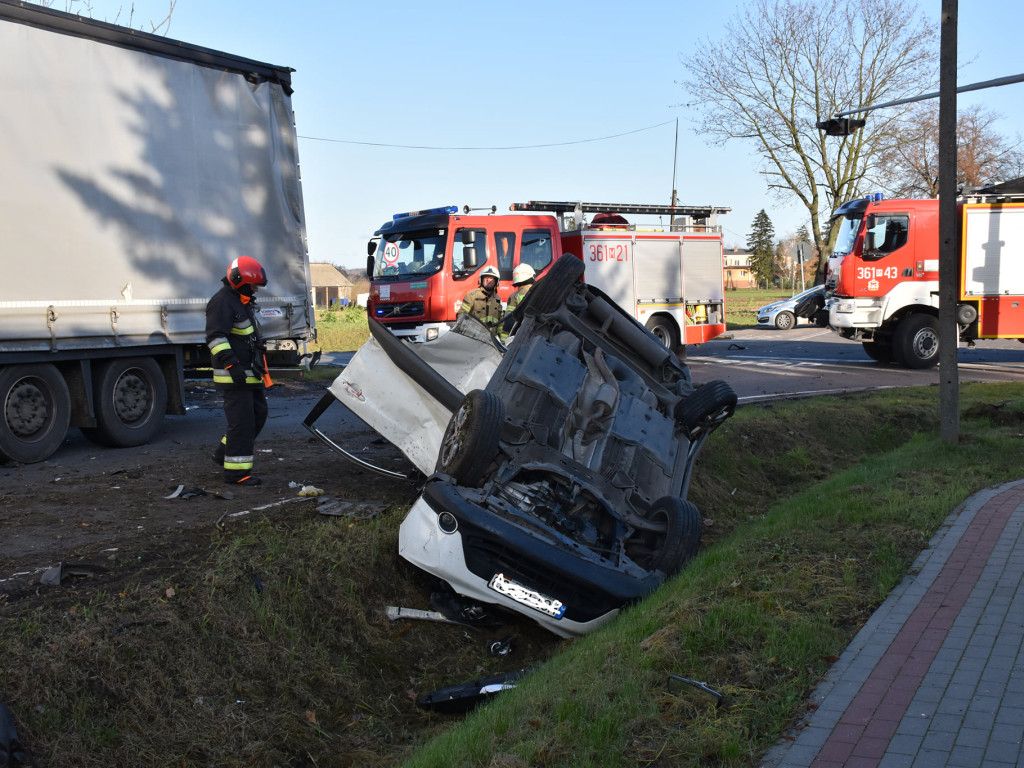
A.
pixel 327 276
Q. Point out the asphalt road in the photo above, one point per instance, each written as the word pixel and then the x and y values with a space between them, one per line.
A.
pixel 766 363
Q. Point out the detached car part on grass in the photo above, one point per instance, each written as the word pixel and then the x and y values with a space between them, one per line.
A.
pixel 557 470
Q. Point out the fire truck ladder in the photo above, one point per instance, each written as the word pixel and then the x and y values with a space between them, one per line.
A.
pixel 705 214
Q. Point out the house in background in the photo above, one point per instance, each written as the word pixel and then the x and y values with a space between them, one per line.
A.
pixel 738 273
pixel 329 285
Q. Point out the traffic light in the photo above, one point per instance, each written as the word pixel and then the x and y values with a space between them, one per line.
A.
pixel 839 126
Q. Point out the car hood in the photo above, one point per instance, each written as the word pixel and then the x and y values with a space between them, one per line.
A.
pixel 408 392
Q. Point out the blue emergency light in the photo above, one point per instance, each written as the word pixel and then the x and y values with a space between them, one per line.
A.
pixel 874 197
pixel 442 209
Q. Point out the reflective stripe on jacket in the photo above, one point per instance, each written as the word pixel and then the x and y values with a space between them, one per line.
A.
pixel 233 338
pixel 485 307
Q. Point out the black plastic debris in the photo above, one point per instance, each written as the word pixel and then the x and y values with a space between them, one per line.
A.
pixel 56 575
pixel 461 698
pixel 463 610
pixel 12 751
pixel 721 700
pixel 501 647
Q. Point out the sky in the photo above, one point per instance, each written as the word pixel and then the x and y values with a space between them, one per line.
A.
pixel 599 82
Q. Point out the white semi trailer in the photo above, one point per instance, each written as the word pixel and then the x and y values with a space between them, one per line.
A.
pixel 134 169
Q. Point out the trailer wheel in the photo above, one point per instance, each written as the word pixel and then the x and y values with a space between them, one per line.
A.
pixel 916 341
pixel 708 406
pixel 550 291
pixel 673 539
pixel 36 408
pixel 131 398
pixel 470 441
pixel 664 328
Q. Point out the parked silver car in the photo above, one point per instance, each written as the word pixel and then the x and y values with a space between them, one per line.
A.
pixel 785 314
pixel 556 471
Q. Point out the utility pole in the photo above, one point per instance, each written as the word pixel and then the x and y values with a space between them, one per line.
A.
pixel 949 375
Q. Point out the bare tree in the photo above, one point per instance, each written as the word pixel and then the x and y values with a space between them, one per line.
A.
pixel 783 65
pixel 123 17
pixel 984 156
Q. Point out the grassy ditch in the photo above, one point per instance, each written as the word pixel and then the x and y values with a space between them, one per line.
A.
pixel 266 644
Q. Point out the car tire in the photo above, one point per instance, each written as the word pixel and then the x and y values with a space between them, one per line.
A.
pixel 131 398
pixel 551 290
pixel 664 329
pixel 470 441
pixel 35 411
pixel 878 351
pixel 708 406
pixel 673 541
pixel 915 342
pixel 785 320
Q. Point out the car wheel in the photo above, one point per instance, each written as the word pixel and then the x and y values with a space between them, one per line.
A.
pixel 470 441
pixel 878 351
pixel 671 541
pixel 708 406
pixel 821 318
pixel 550 291
pixel 131 397
pixel 35 411
pixel 785 320
pixel 916 341
pixel 664 329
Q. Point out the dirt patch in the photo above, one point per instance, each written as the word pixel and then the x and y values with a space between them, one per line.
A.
pixel 228 626
pixel 87 503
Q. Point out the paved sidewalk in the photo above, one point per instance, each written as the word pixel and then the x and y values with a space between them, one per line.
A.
pixel 936 676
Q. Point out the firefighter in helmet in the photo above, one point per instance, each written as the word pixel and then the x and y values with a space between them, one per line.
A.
pixel 483 302
pixel 239 366
pixel 523 278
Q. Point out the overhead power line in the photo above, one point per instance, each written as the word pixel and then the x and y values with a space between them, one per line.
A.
pixel 477 149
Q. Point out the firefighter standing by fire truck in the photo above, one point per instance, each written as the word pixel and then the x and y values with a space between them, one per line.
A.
pixel 523 278
pixel 239 367
pixel 483 302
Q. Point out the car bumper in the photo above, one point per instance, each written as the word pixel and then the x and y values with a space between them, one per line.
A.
pixel 545 575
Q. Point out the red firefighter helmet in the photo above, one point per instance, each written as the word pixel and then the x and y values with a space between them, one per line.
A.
pixel 245 270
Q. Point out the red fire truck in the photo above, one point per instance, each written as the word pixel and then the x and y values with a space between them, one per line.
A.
pixel 883 274
pixel 422 263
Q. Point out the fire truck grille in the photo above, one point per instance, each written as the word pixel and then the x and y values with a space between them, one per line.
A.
pixel 398 310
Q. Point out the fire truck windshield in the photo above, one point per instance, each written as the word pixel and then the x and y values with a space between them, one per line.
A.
pixel 409 255
pixel 848 228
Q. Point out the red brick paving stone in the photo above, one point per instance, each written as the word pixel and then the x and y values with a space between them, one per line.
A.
pixel 916 644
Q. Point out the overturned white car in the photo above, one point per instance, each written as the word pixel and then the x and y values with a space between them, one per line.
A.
pixel 556 470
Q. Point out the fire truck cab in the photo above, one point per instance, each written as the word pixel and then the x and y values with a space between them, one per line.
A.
pixel 421 264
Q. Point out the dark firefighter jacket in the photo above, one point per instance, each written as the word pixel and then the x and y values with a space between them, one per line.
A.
pixel 234 339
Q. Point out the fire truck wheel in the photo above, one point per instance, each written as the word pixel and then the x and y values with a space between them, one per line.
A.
pixel 673 539
pixel 785 320
pixel 35 411
pixel 916 341
pixel 665 330
pixel 878 351
pixel 131 398
pixel 470 441
pixel 550 291
pixel 708 406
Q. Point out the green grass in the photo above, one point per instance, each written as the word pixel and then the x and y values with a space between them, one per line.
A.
pixel 265 644
pixel 760 614
pixel 340 330
pixel 741 305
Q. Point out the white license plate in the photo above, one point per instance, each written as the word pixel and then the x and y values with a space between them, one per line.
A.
pixel 526 596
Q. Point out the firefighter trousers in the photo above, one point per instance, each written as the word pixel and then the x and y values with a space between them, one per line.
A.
pixel 246 413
